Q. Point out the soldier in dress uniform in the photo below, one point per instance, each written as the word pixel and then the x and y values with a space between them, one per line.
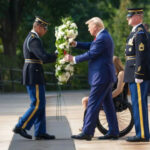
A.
pixel 33 78
pixel 137 73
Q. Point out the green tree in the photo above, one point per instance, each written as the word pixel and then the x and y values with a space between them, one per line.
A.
pixel 11 12
pixel 16 12
pixel 120 29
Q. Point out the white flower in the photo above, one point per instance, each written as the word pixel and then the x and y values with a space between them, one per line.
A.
pixel 70 40
pixel 62 61
pixel 72 63
pixel 68 22
pixel 69 68
pixel 67 46
pixel 65 34
pixel 71 73
pixel 73 25
pixel 67 75
pixel 58 68
pixel 64 77
pixel 71 34
pixel 63 26
pixel 62 46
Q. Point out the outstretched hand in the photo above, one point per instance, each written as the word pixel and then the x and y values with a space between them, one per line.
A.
pixel 68 58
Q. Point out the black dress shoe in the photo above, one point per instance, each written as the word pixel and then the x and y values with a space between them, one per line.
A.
pixel 22 132
pixel 136 139
pixel 82 136
pixel 108 136
pixel 45 137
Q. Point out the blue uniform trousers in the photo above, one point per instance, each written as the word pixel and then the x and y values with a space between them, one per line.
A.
pixel 100 95
pixel 36 113
pixel 139 93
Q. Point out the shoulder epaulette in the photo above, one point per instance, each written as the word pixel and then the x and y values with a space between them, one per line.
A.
pixel 32 35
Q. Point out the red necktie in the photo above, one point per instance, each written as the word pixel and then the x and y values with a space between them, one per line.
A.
pixel 94 38
pixel 65 52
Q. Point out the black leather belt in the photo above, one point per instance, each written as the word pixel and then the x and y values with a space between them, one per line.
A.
pixel 33 61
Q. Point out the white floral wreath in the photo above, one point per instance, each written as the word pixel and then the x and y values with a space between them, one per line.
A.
pixel 65 34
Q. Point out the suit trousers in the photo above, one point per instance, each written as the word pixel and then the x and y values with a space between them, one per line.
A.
pixel 100 95
pixel 36 113
pixel 139 95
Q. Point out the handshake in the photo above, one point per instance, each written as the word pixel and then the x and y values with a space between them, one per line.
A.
pixel 68 58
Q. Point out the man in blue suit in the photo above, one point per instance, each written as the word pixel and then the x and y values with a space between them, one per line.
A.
pixel 101 76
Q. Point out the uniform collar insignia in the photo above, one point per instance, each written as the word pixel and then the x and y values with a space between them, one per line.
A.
pixel 32 31
pixel 141 47
pixel 134 29
pixel 33 35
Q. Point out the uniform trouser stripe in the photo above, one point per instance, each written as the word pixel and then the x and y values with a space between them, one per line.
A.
pixel 140 110
pixel 36 107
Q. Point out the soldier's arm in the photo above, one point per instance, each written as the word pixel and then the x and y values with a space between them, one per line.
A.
pixel 141 58
pixel 35 46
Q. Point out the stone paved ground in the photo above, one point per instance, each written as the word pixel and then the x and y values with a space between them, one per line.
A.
pixel 14 105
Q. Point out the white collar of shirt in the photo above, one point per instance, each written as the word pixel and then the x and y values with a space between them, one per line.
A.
pixel 35 32
pixel 99 32
pixel 133 29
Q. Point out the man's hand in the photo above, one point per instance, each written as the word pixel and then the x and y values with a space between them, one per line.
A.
pixel 68 58
pixel 73 43
pixel 138 80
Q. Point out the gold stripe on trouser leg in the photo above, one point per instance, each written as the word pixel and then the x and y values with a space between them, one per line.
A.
pixel 140 110
pixel 36 106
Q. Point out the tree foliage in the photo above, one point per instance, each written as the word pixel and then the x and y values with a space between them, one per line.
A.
pixel 17 16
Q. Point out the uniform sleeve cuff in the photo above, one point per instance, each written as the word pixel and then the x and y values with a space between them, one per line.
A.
pixel 74 60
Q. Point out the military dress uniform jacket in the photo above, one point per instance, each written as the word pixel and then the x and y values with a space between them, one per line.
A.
pixel 34 55
pixel 137 55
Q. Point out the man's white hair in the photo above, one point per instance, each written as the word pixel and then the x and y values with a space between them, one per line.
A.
pixel 97 21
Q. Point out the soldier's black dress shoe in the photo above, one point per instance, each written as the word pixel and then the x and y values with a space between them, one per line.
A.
pixel 82 136
pixel 136 139
pixel 22 132
pixel 108 136
pixel 45 137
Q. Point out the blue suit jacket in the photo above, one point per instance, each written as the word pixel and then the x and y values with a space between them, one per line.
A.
pixel 100 57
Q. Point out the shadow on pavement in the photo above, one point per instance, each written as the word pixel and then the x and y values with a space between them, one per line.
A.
pixel 59 127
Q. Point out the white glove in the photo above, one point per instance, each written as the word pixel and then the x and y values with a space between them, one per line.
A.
pixel 138 80
pixel 56 51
